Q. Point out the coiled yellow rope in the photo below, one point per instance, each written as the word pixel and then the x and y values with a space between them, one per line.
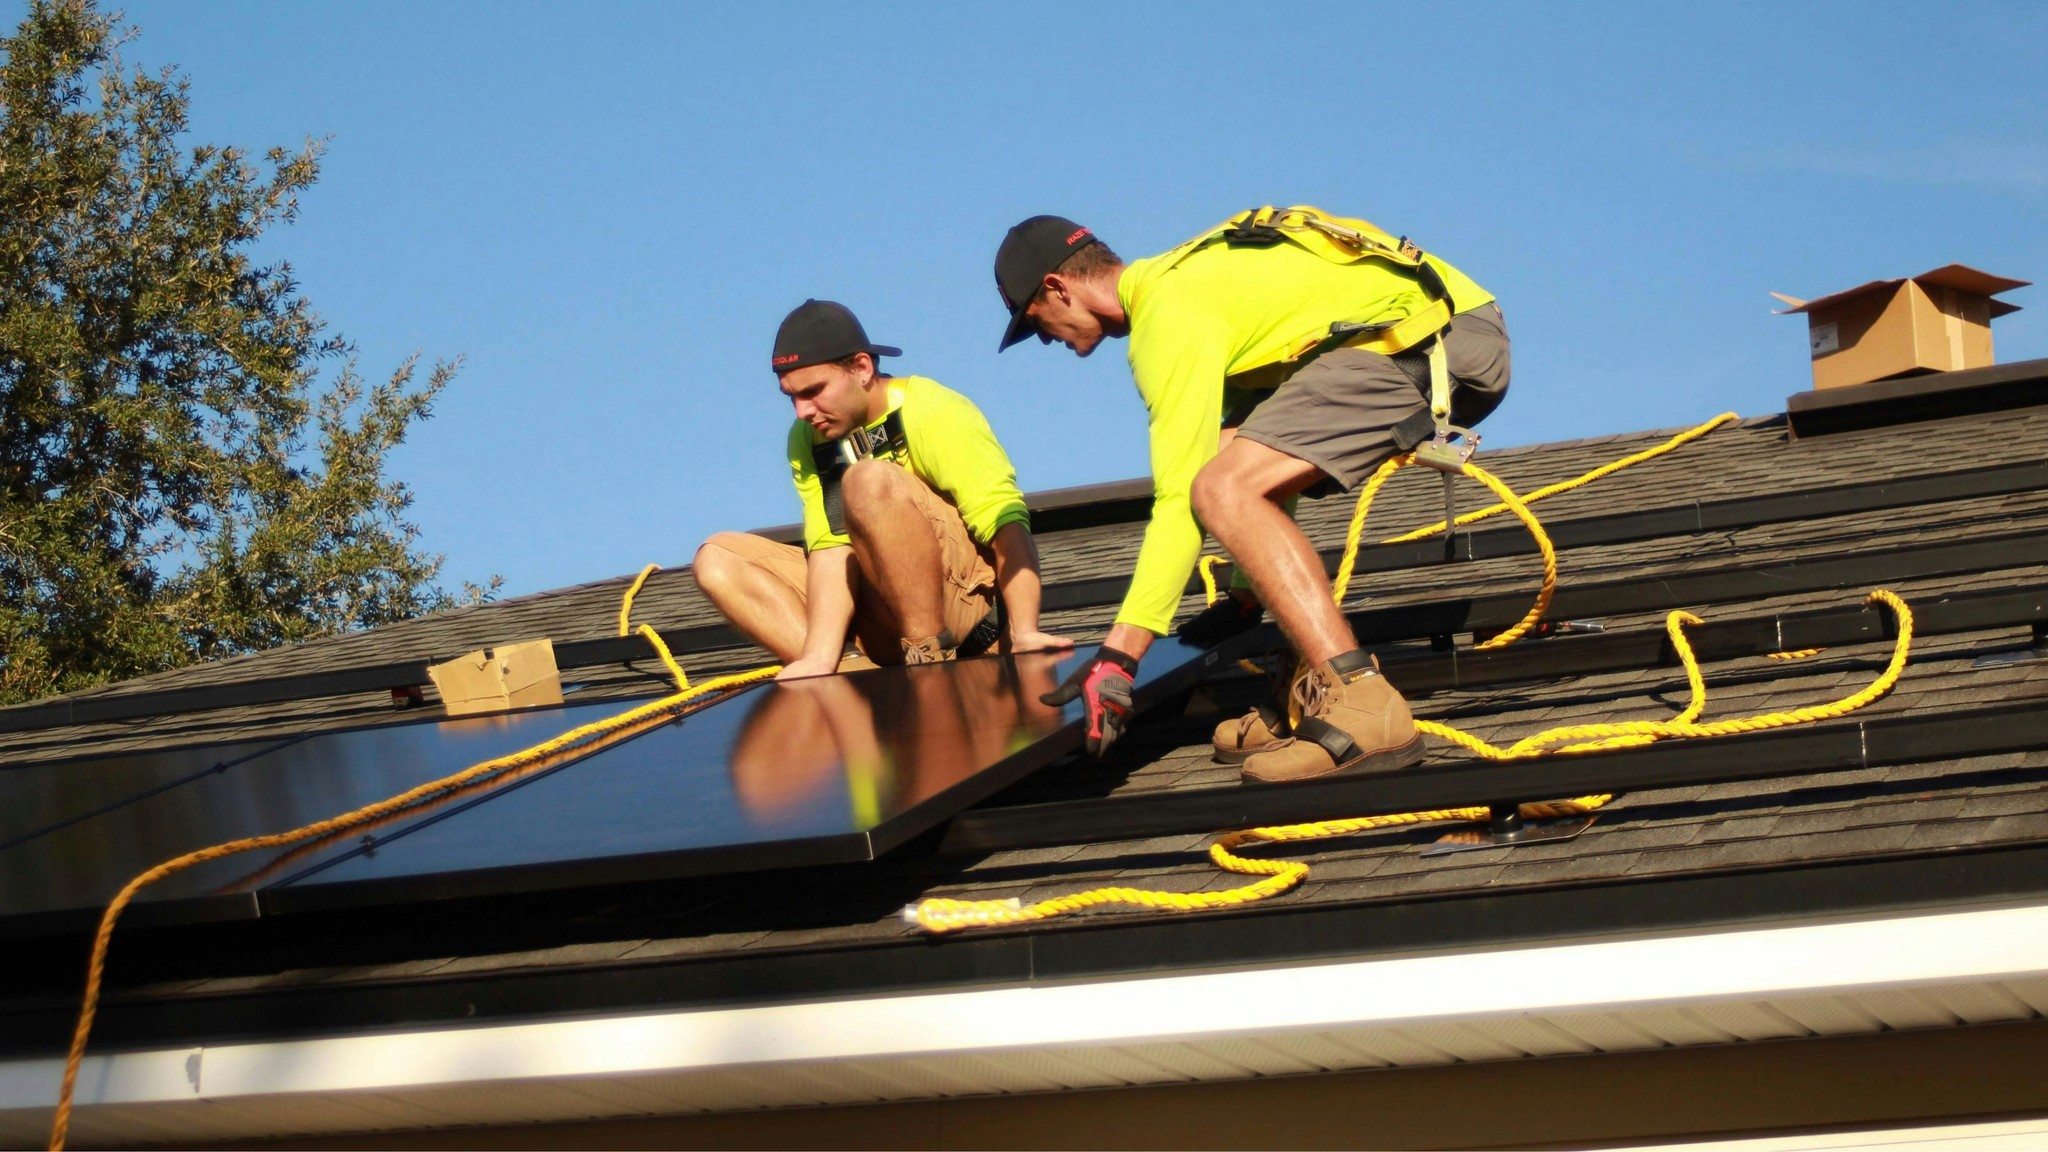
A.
pixel 1508 501
pixel 941 915
pixel 584 739
pixel 1277 876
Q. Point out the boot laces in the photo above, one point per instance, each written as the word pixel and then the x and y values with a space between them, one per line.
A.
pixel 1311 693
pixel 921 652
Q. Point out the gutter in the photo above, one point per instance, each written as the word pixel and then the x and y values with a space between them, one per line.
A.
pixel 1824 979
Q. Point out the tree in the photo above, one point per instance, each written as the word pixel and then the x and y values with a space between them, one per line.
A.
pixel 190 466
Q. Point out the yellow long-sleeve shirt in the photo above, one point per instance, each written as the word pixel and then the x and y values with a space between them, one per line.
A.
pixel 1219 311
pixel 950 447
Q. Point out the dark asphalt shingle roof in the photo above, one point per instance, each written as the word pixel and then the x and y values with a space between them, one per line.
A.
pixel 1970 802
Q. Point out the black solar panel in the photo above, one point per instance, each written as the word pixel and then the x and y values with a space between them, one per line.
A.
pixel 37 798
pixel 836 769
pixel 82 864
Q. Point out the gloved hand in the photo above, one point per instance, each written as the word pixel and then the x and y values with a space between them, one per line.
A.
pixel 1103 684
pixel 1227 617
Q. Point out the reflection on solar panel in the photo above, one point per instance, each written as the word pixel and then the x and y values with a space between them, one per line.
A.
pixel 834 769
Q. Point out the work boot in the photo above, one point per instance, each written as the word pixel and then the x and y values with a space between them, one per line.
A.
pixel 1352 722
pixel 1259 730
pixel 1266 725
pixel 929 649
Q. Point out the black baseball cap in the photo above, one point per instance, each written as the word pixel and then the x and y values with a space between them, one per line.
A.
pixel 819 332
pixel 1030 250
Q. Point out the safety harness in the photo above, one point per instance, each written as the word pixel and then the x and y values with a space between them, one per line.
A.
pixel 832 458
pixel 1345 240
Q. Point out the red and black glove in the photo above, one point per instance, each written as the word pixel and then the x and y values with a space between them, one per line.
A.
pixel 1103 684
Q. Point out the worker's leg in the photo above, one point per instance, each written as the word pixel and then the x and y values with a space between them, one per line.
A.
pixel 1327 429
pixel 1240 497
pixel 924 576
pixel 758 585
pixel 1324 431
pixel 893 542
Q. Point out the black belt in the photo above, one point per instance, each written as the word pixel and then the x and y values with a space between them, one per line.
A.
pixel 985 635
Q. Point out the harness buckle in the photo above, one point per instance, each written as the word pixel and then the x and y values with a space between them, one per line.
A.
pixel 1439 453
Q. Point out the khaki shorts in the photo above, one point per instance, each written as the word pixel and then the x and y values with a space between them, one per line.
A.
pixel 969 575
pixel 1340 410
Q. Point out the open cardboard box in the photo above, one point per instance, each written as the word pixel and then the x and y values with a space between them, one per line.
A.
pixel 1938 321
pixel 499 679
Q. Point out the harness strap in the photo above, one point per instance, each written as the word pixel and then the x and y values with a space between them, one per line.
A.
pixel 1334 740
pixel 834 457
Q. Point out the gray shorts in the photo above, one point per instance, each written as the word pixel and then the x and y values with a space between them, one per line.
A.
pixel 1342 411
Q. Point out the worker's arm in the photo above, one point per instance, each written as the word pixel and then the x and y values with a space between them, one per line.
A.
pixel 828 610
pixel 1017 581
pixel 828 593
pixel 1177 359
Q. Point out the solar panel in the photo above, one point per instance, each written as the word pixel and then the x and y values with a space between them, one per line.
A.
pixel 184 804
pixel 37 798
pixel 833 770
pixel 836 769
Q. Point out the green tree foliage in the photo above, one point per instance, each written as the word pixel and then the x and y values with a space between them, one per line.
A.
pixel 190 466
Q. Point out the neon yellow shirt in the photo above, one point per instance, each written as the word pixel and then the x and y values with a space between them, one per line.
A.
pixel 1218 312
pixel 951 447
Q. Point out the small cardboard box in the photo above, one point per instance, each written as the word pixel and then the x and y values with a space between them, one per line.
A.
pixel 499 679
pixel 1938 321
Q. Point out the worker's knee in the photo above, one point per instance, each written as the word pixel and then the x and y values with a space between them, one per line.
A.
pixel 1217 492
pixel 871 486
pixel 718 566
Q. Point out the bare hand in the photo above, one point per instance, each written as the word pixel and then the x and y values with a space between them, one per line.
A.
pixel 804 666
pixel 1036 641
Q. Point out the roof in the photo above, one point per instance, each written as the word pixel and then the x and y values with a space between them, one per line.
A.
pixel 1933 801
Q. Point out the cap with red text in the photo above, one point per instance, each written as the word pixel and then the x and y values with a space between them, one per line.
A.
pixel 819 332
pixel 1032 249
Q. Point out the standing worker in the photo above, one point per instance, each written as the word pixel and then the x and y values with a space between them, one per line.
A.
pixel 1316 344
pixel 917 543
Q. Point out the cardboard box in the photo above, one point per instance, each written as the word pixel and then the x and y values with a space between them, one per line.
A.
pixel 1938 321
pixel 499 679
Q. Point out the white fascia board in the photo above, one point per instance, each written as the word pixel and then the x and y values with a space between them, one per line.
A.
pixel 1748 966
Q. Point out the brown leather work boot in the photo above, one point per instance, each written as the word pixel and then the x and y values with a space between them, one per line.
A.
pixel 929 649
pixel 1258 730
pixel 1352 722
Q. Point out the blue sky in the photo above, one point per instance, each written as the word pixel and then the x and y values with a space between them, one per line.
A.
pixel 607 208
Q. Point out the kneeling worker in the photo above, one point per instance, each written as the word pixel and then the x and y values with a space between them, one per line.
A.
pixel 1314 343
pixel 916 538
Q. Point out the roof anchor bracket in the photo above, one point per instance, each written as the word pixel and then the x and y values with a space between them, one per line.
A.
pixel 1506 827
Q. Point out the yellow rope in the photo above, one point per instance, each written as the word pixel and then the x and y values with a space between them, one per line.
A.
pixel 946 915
pixel 582 740
pixel 1207 567
pixel 675 670
pixel 1508 500
pixel 1607 469
pixel 1277 876
pixel 1795 654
